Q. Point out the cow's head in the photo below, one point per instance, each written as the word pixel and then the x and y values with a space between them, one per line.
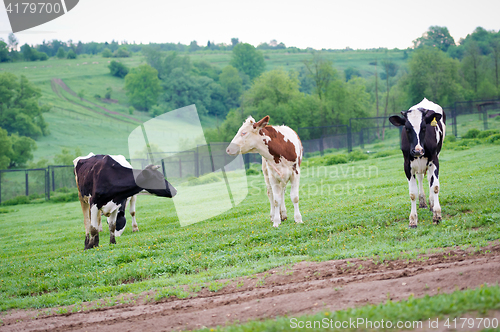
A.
pixel 416 123
pixel 247 137
pixel 154 182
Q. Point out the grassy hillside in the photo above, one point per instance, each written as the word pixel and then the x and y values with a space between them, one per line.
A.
pixel 103 127
pixel 359 209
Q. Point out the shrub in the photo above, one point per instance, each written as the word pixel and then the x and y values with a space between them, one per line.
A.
pixel 450 138
pixel 472 133
pixel 17 200
pixel 106 53
pixel 204 179
pixel 118 69
pixel 494 139
pixel 386 153
pixel 70 197
pixel 487 133
pixel 357 155
pixel 71 54
pixel 336 159
pixel 252 171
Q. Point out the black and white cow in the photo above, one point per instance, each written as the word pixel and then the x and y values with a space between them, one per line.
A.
pixel 104 185
pixel 424 127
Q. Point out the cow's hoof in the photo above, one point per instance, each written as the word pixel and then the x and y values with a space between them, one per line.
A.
pixel 284 218
pixel 421 202
pixel 436 221
pixel 413 226
pixel 135 229
pixel 92 242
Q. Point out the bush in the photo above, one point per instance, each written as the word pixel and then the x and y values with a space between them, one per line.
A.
pixel 17 200
pixel 487 133
pixel 450 138
pixel 357 155
pixel 71 54
pixel 106 53
pixel 62 198
pixel 204 179
pixel 386 153
pixel 118 69
pixel 495 139
pixel 121 53
pixel 472 133
pixel 252 171
pixel 336 159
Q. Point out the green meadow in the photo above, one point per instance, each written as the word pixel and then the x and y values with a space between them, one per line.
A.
pixel 354 209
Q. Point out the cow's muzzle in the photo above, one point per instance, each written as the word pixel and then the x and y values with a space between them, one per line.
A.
pixel 233 149
pixel 417 152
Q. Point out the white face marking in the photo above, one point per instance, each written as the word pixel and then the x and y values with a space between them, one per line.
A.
pixel 415 119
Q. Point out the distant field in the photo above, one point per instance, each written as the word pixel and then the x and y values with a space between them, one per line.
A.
pixel 80 123
pixel 341 60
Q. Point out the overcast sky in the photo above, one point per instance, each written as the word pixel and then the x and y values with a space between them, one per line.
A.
pixel 313 23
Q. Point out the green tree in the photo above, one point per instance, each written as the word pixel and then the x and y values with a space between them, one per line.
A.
pixel 71 54
pixel 13 42
pixel 232 83
pixel 20 111
pixel 143 87
pixel 436 36
pixel 23 148
pixel 106 53
pixel 61 53
pixel 247 60
pixel 322 73
pixel 121 53
pixel 434 75
pixel 66 157
pixel 5 149
pixel 118 69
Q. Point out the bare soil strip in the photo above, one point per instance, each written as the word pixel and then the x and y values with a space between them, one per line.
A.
pixel 305 288
pixel 59 82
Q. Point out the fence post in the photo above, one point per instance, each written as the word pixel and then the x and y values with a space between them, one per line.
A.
pixel 27 183
pixel 246 158
pixel 454 117
pixel 53 180
pixel 1 186
pixel 163 168
pixel 349 139
pixel 485 118
pixel 47 184
pixel 196 163
pixel 361 139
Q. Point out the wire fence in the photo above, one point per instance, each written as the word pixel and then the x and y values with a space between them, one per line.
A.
pixel 42 182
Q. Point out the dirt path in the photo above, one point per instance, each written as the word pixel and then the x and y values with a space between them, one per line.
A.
pixel 304 288
pixel 57 82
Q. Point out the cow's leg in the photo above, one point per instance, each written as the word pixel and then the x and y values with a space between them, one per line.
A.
pixel 94 232
pixel 283 206
pixel 99 223
pixel 112 226
pixel 135 227
pixel 86 218
pixel 413 189
pixel 434 189
pixel 277 200
pixel 294 195
pixel 269 189
pixel 421 192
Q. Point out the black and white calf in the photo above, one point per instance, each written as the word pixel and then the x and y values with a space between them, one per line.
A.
pixel 424 127
pixel 104 185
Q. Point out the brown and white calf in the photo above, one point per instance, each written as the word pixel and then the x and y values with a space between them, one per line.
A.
pixel 421 141
pixel 281 152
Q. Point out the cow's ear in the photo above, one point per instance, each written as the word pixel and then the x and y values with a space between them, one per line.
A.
pixel 262 123
pixel 431 115
pixel 397 120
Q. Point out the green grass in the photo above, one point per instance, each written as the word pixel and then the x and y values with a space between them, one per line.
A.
pixel 422 313
pixel 359 209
